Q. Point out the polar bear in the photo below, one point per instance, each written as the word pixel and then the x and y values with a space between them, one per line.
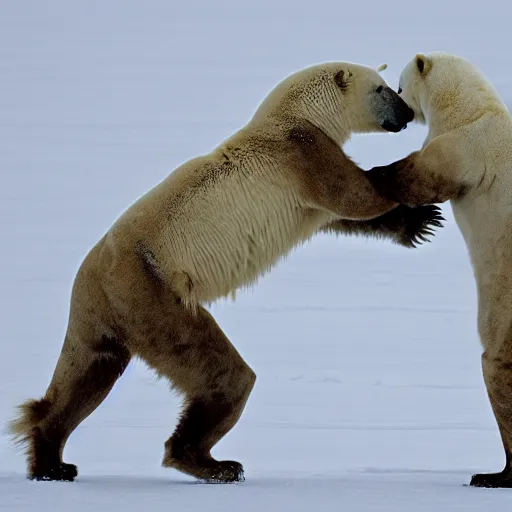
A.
pixel 467 159
pixel 213 225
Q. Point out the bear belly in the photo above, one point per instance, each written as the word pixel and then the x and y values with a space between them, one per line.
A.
pixel 231 249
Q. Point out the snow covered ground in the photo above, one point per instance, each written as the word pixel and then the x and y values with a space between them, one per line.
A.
pixel 369 392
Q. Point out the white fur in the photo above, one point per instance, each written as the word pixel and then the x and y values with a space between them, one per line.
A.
pixel 215 232
pixel 466 116
pixel 467 157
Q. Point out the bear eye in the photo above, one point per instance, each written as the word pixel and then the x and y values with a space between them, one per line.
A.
pixel 379 89
pixel 399 90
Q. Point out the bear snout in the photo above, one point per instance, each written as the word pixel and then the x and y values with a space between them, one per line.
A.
pixel 396 112
pixel 409 115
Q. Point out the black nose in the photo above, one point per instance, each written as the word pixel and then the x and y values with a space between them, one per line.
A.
pixel 409 115
pixel 393 127
pixel 406 116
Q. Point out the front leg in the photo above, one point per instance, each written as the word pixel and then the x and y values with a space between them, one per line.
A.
pixel 433 175
pixel 326 179
pixel 405 226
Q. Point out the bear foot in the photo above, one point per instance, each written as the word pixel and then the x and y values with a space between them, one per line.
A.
pixel 62 472
pixel 208 470
pixel 225 471
pixel 493 480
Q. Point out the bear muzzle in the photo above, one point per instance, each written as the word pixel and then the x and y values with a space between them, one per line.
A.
pixel 400 122
pixel 393 111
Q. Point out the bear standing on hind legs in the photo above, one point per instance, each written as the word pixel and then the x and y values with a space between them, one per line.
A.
pixel 467 159
pixel 216 223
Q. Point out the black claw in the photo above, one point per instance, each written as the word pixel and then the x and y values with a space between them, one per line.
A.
pixel 420 224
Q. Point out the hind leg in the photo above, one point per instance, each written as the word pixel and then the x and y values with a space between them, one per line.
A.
pixel 82 379
pixel 498 380
pixel 92 358
pixel 196 356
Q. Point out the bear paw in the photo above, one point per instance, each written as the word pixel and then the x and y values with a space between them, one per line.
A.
pixel 225 471
pixel 493 480
pixel 417 224
pixel 62 472
pixel 206 469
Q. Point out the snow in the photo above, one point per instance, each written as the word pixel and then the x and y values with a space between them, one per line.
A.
pixel 369 392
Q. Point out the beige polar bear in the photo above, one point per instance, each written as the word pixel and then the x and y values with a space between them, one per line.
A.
pixel 467 158
pixel 216 224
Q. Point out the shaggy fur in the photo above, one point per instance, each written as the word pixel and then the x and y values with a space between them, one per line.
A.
pixel 467 158
pixel 217 223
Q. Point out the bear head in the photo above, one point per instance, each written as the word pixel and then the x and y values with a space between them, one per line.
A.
pixel 340 98
pixel 445 88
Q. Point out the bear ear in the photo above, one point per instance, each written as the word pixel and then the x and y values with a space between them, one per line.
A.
pixel 342 79
pixel 382 67
pixel 423 64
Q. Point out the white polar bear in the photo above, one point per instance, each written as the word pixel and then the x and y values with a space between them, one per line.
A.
pixel 467 159
pixel 214 225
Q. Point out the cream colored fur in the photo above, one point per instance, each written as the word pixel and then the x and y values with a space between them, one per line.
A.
pixel 467 159
pixel 215 224
pixel 470 130
pixel 201 223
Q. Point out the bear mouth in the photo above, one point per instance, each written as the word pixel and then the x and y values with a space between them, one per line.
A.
pixel 392 127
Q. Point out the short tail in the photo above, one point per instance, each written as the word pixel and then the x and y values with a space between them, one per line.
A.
pixel 30 415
